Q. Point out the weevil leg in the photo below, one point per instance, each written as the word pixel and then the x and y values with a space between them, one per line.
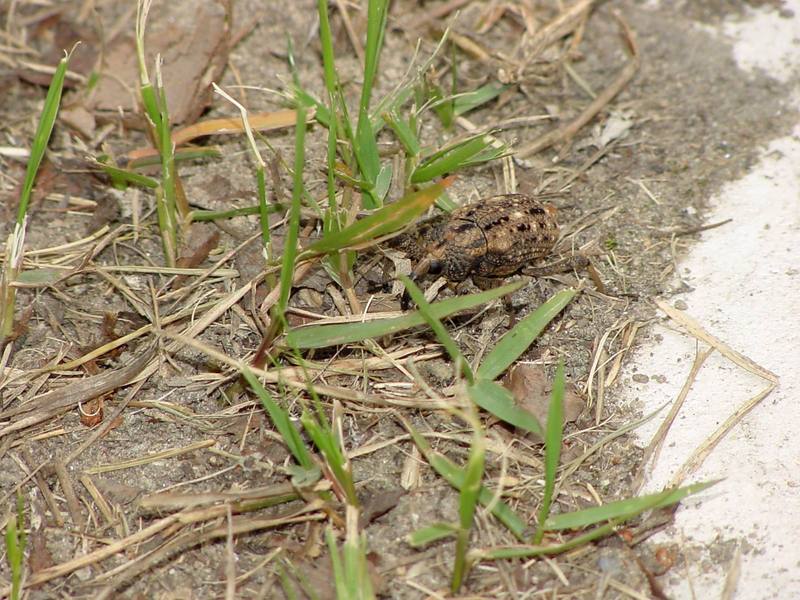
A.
pixel 422 269
pixel 573 262
pixel 488 283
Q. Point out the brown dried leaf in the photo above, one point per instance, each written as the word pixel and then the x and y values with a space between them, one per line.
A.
pixel 118 493
pixel 531 388
pixel 39 557
pixel 106 211
pixel 378 504
pixel 193 57
pixel 203 238
pixel 79 119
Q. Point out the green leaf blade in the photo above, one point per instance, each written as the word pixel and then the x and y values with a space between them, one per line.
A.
pixel 498 401
pixel 430 534
pixel 438 328
pixel 627 508
pixel 382 222
pixel 321 336
pixel 552 449
pixel 41 138
pixel 511 346
pixel 280 418
pixel 450 159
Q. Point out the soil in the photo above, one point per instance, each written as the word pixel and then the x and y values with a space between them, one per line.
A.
pixel 696 121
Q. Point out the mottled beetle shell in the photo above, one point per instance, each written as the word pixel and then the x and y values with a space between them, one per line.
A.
pixel 494 237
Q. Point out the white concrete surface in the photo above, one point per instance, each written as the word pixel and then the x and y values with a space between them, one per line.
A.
pixel 746 280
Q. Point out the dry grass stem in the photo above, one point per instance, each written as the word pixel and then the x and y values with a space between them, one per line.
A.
pixel 695 329
pixel 156 456
pixel 651 452
pixel 704 450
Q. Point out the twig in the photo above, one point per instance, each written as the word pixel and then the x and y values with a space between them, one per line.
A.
pixel 704 449
pixel 58 401
pixel 695 329
pixel 351 33
pixel 732 579
pixel 654 447
pixel 691 230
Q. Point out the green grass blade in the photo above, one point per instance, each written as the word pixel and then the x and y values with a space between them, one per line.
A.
pixel 16 540
pixel 326 41
pixel 263 211
pixel 120 177
pixel 167 149
pixel 446 203
pixel 180 155
pixel 404 132
pixel 511 346
pixel 438 328
pixel 442 105
pixel 302 98
pixel 366 152
pixel 366 145
pixel 167 226
pixel 280 418
pixel 213 215
pixel 463 103
pixel 452 158
pixel 382 222
pixel 498 401
pixel 355 547
pixel 468 500
pixel 495 151
pixel 293 227
pixel 377 12
pixel 41 138
pixel 39 277
pixel 640 505
pixel 332 87
pixel 336 564
pixel 321 336
pixel 455 477
pixel 383 182
pixel 530 551
pixel 627 508
pixel 328 444
pixel 431 533
pixel 552 449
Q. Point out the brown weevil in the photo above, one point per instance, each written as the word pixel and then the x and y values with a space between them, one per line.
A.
pixel 492 238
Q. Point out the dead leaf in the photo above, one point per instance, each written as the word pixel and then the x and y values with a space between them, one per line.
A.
pixel 267 121
pixel 378 504
pixel 106 211
pixel 39 557
pixel 193 57
pixel 317 576
pixel 58 401
pixel 118 493
pixel 203 238
pixel 79 119
pixel 531 388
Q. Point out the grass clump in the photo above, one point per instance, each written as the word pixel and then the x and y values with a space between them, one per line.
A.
pixel 15 244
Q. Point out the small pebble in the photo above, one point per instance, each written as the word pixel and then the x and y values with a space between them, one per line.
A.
pixel 681 305
pixel 640 378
